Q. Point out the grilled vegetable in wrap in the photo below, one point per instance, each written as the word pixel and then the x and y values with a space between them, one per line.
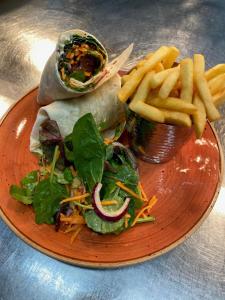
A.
pixel 103 103
pixel 79 65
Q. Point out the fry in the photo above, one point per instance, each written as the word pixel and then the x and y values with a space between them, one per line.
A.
pixel 158 78
pixel 149 55
pixel 186 74
pixel 141 63
pixel 171 58
pixel 126 77
pixel 169 84
pixel 215 71
pixel 203 89
pixel 176 118
pixel 130 86
pixel 216 84
pixel 219 98
pixel 159 67
pixel 199 118
pixel 175 104
pixel 149 112
pixel 204 92
pixel 142 91
pixel 199 65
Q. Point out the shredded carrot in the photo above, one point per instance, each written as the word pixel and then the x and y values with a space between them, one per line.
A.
pixel 141 149
pixel 109 202
pixel 76 198
pixel 151 203
pixel 144 215
pixel 70 228
pixel 129 191
pixel 48 168
pixel 75 234
pixel 87 73
pixel 74 173
pixel 142 191
pixel 108 141
pixel 126 222
pixel 127 217
pixel 72 219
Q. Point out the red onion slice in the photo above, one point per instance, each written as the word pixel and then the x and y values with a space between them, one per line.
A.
pixel 101 212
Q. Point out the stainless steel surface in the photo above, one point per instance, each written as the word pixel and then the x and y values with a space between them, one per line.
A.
pixel 194 270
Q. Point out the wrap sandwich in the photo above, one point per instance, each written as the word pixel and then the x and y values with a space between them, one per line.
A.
pixel 79 65
pixel 103 103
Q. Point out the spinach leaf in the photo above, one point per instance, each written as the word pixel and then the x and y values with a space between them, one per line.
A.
pixel 68 148
pixel 124 173
pixel 68 175
pixel 29 182
pixel 78 75
pixel 131 211
pixel 46 200
pixel 20 194
pixel 47 195
pixel 24 192
pixel 109 152
pixel 64 177
pixel 89 151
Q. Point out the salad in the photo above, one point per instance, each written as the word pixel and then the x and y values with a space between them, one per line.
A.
pixel 85 180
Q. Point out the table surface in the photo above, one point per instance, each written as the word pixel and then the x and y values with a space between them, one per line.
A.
pixel 28 32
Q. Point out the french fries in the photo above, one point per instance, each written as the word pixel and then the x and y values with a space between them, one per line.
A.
pixel 142 91
pixel 171 57
pixel 125 78
pixel 203 89
pixel 219 98
pixel 204 92
pixel 215 71
pixel 169 84
pixel 159 67
pixel 181 94
pixel 186 76
pixel 149 112
pixel 130 86
pixel 199 65
pixel 217 83
pixel 199 118
pixel 177 118
pixel 158 78
pixel 174 104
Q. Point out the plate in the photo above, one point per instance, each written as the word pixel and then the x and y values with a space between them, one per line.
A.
pixel 186 187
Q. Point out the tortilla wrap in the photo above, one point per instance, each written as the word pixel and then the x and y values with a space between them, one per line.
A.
pixel 53 88
pixel 103 103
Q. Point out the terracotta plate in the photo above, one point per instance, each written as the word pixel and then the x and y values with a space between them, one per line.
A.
pixel 186 188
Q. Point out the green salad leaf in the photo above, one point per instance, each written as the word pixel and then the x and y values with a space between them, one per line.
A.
pixel 30 181
pixel 20 194
pixel 78 75
pixel 89 151
pixel 24 192
pixel 46 200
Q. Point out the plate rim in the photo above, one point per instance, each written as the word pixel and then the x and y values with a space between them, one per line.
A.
pixel 131 262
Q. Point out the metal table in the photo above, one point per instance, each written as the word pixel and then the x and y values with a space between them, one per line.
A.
pixel 29 29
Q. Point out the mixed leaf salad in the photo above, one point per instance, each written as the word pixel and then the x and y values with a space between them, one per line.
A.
pixel 84 179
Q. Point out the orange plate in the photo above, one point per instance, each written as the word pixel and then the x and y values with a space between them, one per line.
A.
pixel 186 188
